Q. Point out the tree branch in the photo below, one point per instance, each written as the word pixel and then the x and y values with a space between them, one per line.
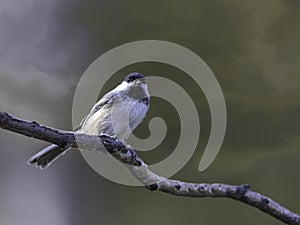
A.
pixel 126 154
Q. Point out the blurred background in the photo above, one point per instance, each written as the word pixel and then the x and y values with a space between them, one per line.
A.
pixel 251 46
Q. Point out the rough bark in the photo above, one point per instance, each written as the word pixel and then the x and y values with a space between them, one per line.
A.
pixel 126 154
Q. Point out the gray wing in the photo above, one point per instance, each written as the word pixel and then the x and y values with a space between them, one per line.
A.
pixel 106 100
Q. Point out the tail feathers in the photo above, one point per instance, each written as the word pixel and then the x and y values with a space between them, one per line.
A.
pixel 45 157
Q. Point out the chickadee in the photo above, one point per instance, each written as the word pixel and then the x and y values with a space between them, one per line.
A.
pixel 116 114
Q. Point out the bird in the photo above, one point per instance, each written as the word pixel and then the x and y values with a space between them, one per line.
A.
pixel 116 114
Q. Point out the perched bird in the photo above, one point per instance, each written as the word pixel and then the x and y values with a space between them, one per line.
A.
pixel 116 114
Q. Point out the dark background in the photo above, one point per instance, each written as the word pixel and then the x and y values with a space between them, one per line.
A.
pixel 251 46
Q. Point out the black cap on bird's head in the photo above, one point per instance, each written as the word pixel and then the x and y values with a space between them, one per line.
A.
pixel 133 76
